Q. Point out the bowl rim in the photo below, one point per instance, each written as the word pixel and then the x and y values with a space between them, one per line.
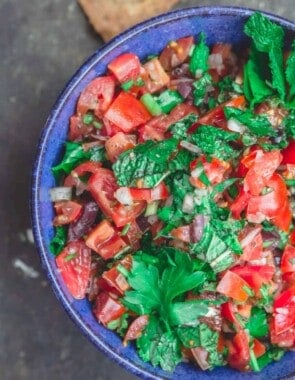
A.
pixel 49 124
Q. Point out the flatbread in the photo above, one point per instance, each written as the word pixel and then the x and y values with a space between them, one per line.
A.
pixel 110 17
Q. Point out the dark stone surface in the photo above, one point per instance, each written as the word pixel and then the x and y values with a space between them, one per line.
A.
pixel 41 45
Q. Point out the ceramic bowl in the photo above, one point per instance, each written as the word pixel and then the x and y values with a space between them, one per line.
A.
pixel 221 24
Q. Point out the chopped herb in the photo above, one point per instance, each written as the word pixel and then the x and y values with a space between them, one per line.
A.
pixel 201 88
pixel 125 229
pixel 88 118
pixel 198 63
pixel 59 240
pixel 169 99
pixel 126 86
pixel 151 104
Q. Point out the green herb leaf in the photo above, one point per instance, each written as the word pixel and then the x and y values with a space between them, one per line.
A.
pixel 169 99
pixel 273 354
pixel 180 128
pixel 187 313
pixel 201 87
pixel 189 336
pixel 290 71
pixel 257 324
pixel 198 63
pixel 59 240
pixel 215 141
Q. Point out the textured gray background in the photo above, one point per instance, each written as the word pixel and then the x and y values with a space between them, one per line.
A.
pixel 41 45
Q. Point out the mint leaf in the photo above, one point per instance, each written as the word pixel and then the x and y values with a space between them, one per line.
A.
pixel 180 128
pixel 169 99
pixel 59 240
pixel 259 125
pixel 201 87
pixel 289 124
pixel 198 63
pixel 290 71
pixel 215 142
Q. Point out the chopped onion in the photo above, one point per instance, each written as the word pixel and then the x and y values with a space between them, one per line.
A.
pixel 199 194
pixel 152 219
pixel 197 172
pixel 188 204
pixel 60 193
pixel 249 237
pixel 198 226
pixel 201 357
pixel 151 208
pixel 235 126
pixel 216 62
pixel 190 147
pixel 123 196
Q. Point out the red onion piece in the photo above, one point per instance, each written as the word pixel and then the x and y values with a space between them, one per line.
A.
pixel 80 227
pixel 201 357
pixel 197 227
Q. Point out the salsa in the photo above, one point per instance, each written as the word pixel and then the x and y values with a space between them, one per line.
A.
pixel 174 202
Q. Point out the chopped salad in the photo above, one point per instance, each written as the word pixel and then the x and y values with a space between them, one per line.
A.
pixel 174 201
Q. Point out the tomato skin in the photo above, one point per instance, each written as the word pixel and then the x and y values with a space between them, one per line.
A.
pixel 107 308
pixel 159 192
pixel 258 348
pixel 67 212
pixel 136 328
pixel 288 259
pixel 116 280
pixel 232 285
pixel 292 237
pixel 78 129
pixel 284 306
pixel 102 185
pixel 261 171
pixel 240 203
pixel 75 271
pixel 125 67
pixel 86 167
pixel 118 143
pixel 97 96
pixel 127 113
pixel 239 351
pixel 176 52
pixel 253 250
pixel 215 170
pixel 289 154
pixel 255 275
pixel 228 310
pixel 133 236
pixel 104 239
pixel 157 78
pixel 285 339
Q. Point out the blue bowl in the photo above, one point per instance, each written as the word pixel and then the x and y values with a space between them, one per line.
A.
pixel 221 24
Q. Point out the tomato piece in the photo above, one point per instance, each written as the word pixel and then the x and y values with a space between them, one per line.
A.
pixel 289 154
pixel 240 203
pixel 182 233
pixel 102 185
pixel 288 259
pixel 116 280
pixel 258 348
pixel 86 167
pixel 125 67
pixel 255 275
pixel 136 328
pixel 228 60
pixel 156 76
pixel 292 237
pixel 127 113
pixel 273 205
pixel 104 239
pixel 78 129
pixel 284 307
pixel 244 310
pixel 118 144
pixel 97 96
pixel 74 265
pixel 239 351
pixel 107 308
pixel 67 212
pixel 215 170
pixel 133 236
pixel 232 285
pixel 259 174
pixel 217 117
pixel 228 310
pixel 289 279
pixel 285 339
pixel 176 52
pixel 159 192
pixel 252 243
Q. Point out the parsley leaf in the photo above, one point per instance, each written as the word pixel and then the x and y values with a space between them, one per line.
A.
pixel 215 141
pixel 186 313
pixel 268 38
pixel 59 240
pixel 290 71
pixel 198 63
pixel 259 125
pixel 257 323
pixel 273 354
pixel 289 124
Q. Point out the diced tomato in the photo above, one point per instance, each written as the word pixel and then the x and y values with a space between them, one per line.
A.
pixel 273 206
pixel 289 279
pixel 288 259
pixel 239 351
pixel 74 265
pixel 244 310
pixel 216 116
pixel 107 308
pixel 255 275
pixel 292 237
pixel 105 240
pixel 285 339
pixel 66 212
pixel 102 185
pixel 116 280
pixel 252 243
pixel 240 203
pixel 147 132
pixel 109 129
pixel 246 162
pixel 159 192
pixel 228 59
pixel 258 348
pixel 136 328
pixel 97 96
pixel 127 113
pixel 176 52
pixel 289 154
pixel 86 167
pixel 78 129
pixel 157 77
pixel 228 310
pixel 118 144
pixel 133 236
pixel 232 285
pixel 284 310
pixel 261 171
pixel 125 67
pixel 182 233
pixel 215 170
